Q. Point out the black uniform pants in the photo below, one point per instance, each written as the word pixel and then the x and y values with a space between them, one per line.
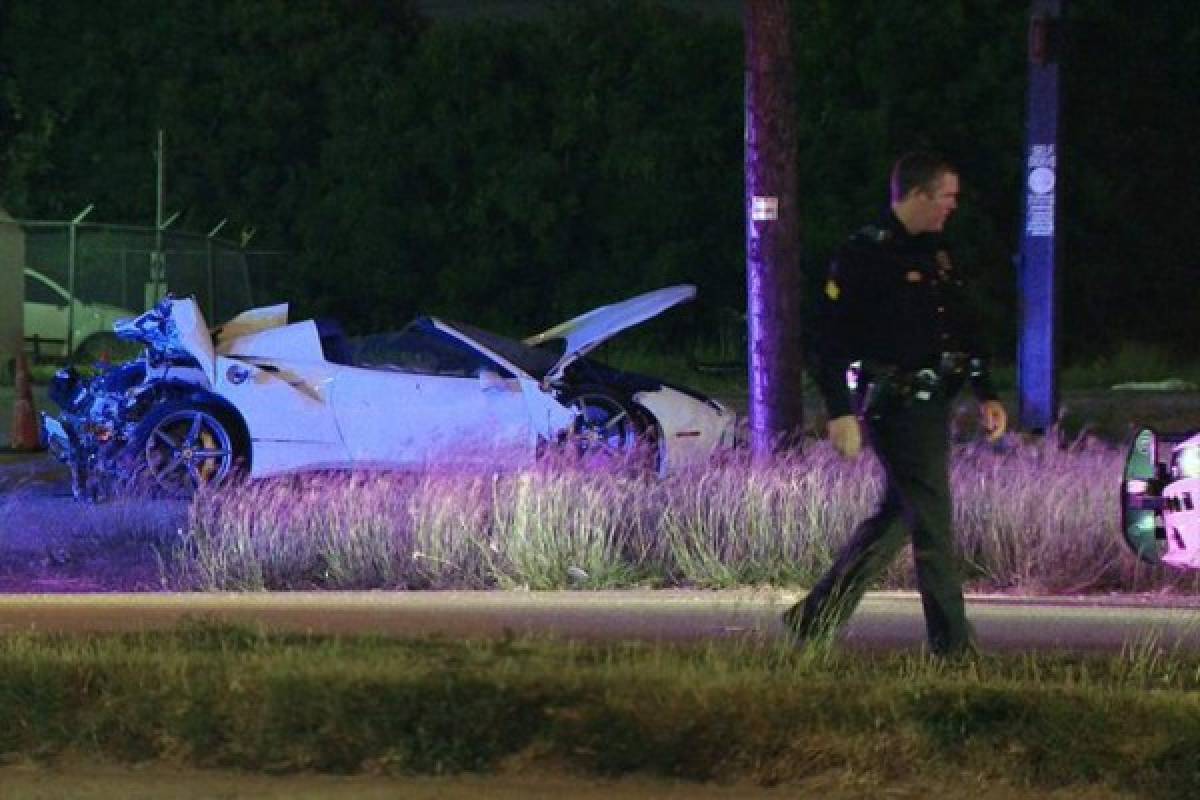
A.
pixel 912 442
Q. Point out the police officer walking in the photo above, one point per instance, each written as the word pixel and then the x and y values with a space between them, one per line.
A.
pixel 895 322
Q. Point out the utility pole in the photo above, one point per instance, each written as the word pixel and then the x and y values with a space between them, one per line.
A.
pixel 772 230
pixel 1037 353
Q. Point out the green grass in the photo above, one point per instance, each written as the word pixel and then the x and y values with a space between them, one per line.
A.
pixel 1087 404
pixel 720 369
pixel 1133 361
pixel 713 369
pixel 211 695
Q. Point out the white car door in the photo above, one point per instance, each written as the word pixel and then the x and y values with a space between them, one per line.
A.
pixel 421 397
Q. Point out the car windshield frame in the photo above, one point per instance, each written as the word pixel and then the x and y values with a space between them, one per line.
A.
pixel 534 361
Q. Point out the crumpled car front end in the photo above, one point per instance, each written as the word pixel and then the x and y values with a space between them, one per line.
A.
pixel 100 414
pixel 96 421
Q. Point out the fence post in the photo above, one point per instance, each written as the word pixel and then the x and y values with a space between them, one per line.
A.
pixel 12 291
pixel 72 246
pixel 212 284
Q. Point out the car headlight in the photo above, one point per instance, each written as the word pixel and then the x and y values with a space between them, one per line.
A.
pixel 1186 462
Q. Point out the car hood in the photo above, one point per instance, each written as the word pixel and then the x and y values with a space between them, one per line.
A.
pixel 588 331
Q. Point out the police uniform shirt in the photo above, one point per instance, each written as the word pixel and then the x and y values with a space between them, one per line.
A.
pixel 896 299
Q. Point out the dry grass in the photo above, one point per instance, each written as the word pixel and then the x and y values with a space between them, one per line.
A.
pixel 1030 516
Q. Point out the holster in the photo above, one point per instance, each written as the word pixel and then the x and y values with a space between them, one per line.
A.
pixel 877 389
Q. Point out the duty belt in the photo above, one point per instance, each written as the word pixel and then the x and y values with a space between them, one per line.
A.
pixel 878 387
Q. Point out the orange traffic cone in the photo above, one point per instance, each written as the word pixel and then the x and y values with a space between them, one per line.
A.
pixel 24 421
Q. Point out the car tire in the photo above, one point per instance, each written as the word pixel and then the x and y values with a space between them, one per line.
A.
pixel 183 447
pixel 610 431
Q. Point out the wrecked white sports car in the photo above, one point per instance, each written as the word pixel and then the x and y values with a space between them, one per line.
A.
pixel 265 396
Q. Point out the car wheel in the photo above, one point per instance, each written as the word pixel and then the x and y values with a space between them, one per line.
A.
pixel 609 431
pixel 185 448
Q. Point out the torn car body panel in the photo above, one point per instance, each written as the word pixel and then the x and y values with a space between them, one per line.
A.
pixel 281 405
pixel 250 321
pixel 691 432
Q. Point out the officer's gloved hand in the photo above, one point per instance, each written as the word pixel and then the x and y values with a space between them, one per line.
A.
pixel 845 435
pixel 994 419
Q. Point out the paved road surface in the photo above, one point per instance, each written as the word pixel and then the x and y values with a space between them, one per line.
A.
pixel 890 620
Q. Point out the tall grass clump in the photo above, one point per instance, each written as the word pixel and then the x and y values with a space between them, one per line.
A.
pixel 738 523
pixel 1031 516
pixel 340 530
pixel 1041 516
pixel 561 528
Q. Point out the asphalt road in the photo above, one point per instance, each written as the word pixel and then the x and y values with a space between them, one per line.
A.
pixel 888 621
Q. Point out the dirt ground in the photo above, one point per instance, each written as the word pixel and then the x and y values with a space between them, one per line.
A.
pixel 51 543
pixel 89 781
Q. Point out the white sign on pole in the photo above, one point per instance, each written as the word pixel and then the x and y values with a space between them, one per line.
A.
pixel 1039 199
pixel 764 209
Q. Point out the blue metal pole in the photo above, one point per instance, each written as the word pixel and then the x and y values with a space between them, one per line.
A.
pixel 1037 353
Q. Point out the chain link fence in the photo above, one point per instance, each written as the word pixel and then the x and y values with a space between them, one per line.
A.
pixel 115 271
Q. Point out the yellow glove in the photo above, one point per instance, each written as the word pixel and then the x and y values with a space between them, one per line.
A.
pixel 845 435
pixel 994 419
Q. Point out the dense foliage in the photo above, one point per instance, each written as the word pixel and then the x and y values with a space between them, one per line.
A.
pixel 514 170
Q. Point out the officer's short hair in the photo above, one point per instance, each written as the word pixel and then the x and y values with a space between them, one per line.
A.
pixel 918 170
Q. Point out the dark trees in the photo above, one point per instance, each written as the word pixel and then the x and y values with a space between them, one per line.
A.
pixel 516 171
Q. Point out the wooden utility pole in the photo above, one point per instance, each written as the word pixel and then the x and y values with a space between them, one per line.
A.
pixel 772 229
pixel 1037 353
